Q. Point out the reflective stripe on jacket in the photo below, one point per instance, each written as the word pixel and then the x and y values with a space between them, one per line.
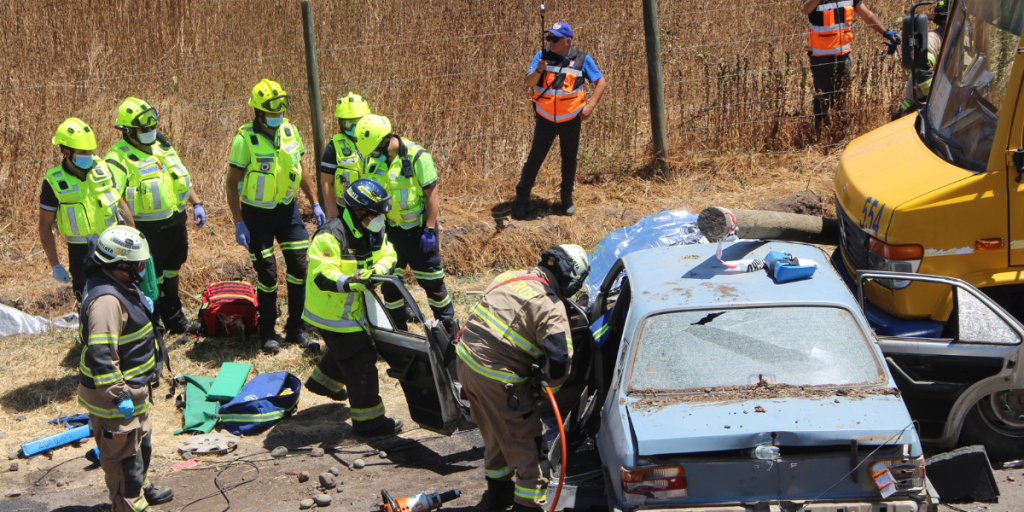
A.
pixel 830 32
pixel 504 333
pixel 558 96
pixel 273 174
pixel 338 250
pixel 156 186
pixel 135 345
pixel 348 166
pixel 87 207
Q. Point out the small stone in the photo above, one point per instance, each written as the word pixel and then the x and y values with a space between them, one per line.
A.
pixel 14 455
pixel 727 426
pixel 14 466
pixel 758 409
pixel 334 470
pixel 745 411
pixel 340 490
pixel 316 452
pixel 306 503
pixel 383 454
pixel 322 500
pixel 19 418
pixel 1011 479
pixel 327 481
pixel 837 400
pixel 358 464
pixel 60 483
pixel 279 452
pixel 13 494
pixel 303 476
pixel 186 455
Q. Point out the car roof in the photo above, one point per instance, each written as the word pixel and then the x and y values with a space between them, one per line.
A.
pixel 690 276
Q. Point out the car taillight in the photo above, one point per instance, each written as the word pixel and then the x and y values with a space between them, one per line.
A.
pixel 907 471
pixel 658 482
pixel 894 258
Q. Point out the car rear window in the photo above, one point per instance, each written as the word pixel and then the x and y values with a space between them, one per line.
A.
pixel 800 346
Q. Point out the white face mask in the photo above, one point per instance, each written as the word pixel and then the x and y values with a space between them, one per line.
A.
pixel 377 224
pixel 148 137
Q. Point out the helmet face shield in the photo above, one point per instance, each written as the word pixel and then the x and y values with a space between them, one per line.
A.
pixel 276 104
pixel 146 119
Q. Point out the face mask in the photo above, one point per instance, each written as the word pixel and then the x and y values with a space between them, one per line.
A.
pixel 349 128
pixel 377 224
pixel 274 122
pixel 379 157
pixel 84 162
pixel 148 137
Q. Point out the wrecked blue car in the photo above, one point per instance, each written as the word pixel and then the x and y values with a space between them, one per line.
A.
pixel 729 392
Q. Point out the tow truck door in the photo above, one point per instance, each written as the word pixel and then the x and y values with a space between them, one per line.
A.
pixel 941 379
pixel 417 362
pixel 1004 156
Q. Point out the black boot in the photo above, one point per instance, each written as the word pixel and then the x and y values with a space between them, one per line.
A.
pixel 389 427
pixel 271 344
pixel 500 495
pixel 302 339
pixel 315 387
pixel 519 208
pixel 567 207
pixel 157 495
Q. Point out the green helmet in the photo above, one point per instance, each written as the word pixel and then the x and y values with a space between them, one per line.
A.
pixel 121 243
pixel 75 134
pixel 135 113
pixel 570 265
pixel 370 131
pixel 351 106
pixel 269 96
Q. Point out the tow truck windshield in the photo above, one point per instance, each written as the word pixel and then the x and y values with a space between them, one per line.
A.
pixel 959 122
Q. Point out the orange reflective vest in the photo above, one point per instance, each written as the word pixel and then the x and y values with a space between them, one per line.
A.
pixel 558 96
pixel 830 32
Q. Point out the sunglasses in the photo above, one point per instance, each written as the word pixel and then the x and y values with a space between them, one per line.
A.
pixel 552 38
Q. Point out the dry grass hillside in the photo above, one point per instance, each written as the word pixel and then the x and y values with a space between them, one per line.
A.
pixel 449 74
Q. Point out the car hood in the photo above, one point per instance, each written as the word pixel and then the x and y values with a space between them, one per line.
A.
pixel 884 169
pixel 661 427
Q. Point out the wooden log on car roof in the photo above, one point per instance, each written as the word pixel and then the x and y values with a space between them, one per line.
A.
pixel 716 222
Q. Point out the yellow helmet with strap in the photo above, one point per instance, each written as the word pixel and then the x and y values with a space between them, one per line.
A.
pixel 75 134
pixel 370 131
pixel 135 113
pixel 269 96
pixel 351 106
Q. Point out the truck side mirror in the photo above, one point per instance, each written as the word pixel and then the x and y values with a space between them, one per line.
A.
pixel 915 42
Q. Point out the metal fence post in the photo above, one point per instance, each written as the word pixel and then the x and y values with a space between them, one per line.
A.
pixel 659 132
pixel 316 113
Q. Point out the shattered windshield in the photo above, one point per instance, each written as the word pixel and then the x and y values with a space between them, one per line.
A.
pixel 967 94
pixel 800 346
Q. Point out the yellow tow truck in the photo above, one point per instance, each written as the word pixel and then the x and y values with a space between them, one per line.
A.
pixel 941 193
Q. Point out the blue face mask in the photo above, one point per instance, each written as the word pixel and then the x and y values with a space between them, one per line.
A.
pixel 148 137
pixel 380 157
pixel 84 162
pixel 274 122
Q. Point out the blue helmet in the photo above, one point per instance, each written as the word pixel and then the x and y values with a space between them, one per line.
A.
pixel 368 194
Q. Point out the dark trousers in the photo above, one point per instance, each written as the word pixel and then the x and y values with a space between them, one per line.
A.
pixel 831 76
pixel 350 361
pixel 544 133
pixel 283 223
pixel 168 243
pixel 77 256
pixel 426 268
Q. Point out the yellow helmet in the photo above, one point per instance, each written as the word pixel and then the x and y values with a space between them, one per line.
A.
pixel 351 106
pixel 370 131
pixel 75 134
pixel 269 96
pixel 135 113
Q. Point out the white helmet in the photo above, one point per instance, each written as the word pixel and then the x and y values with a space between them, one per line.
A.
pixel 121 243
pixel 570 264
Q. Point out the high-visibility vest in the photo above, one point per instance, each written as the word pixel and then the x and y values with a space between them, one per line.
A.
pixel 349 165
pixel 156 186
pixel 831 32
pixel 408 203
pixel 338 250
pixel 559 95
pixel 273 174
pixel 87 207
pixel 135 346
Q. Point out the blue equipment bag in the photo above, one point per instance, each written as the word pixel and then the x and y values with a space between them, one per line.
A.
pixel 266 399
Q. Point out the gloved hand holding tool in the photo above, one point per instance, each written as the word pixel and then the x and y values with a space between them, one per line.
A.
pixel 242 234
pixel 125 405
pixel 356 283
pixel 60 274
pixel 318 212
pixel 894 42
pixel 199 213
pixel 428 240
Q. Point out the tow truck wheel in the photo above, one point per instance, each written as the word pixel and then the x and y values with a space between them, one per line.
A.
pixel 997 422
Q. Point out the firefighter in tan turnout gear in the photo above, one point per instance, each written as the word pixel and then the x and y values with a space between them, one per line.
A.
pixel 520 322
pixel 117 367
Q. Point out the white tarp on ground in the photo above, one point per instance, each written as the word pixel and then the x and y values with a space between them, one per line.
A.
pixel 670 227
pixel 13 321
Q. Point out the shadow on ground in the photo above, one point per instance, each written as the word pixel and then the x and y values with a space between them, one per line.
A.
pixel 39 394
pixel 324 424
pixel 536 208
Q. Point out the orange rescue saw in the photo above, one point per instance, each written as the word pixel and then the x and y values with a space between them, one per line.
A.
pixel 419 503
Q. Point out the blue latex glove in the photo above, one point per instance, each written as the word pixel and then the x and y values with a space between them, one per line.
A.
pixel 318 212
pixel 126 408
pixel 894 42
pixel 60 274
pixel 428 241
pixel 200 215
pixel 149 303
pixel 242 234
pixel 93 455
